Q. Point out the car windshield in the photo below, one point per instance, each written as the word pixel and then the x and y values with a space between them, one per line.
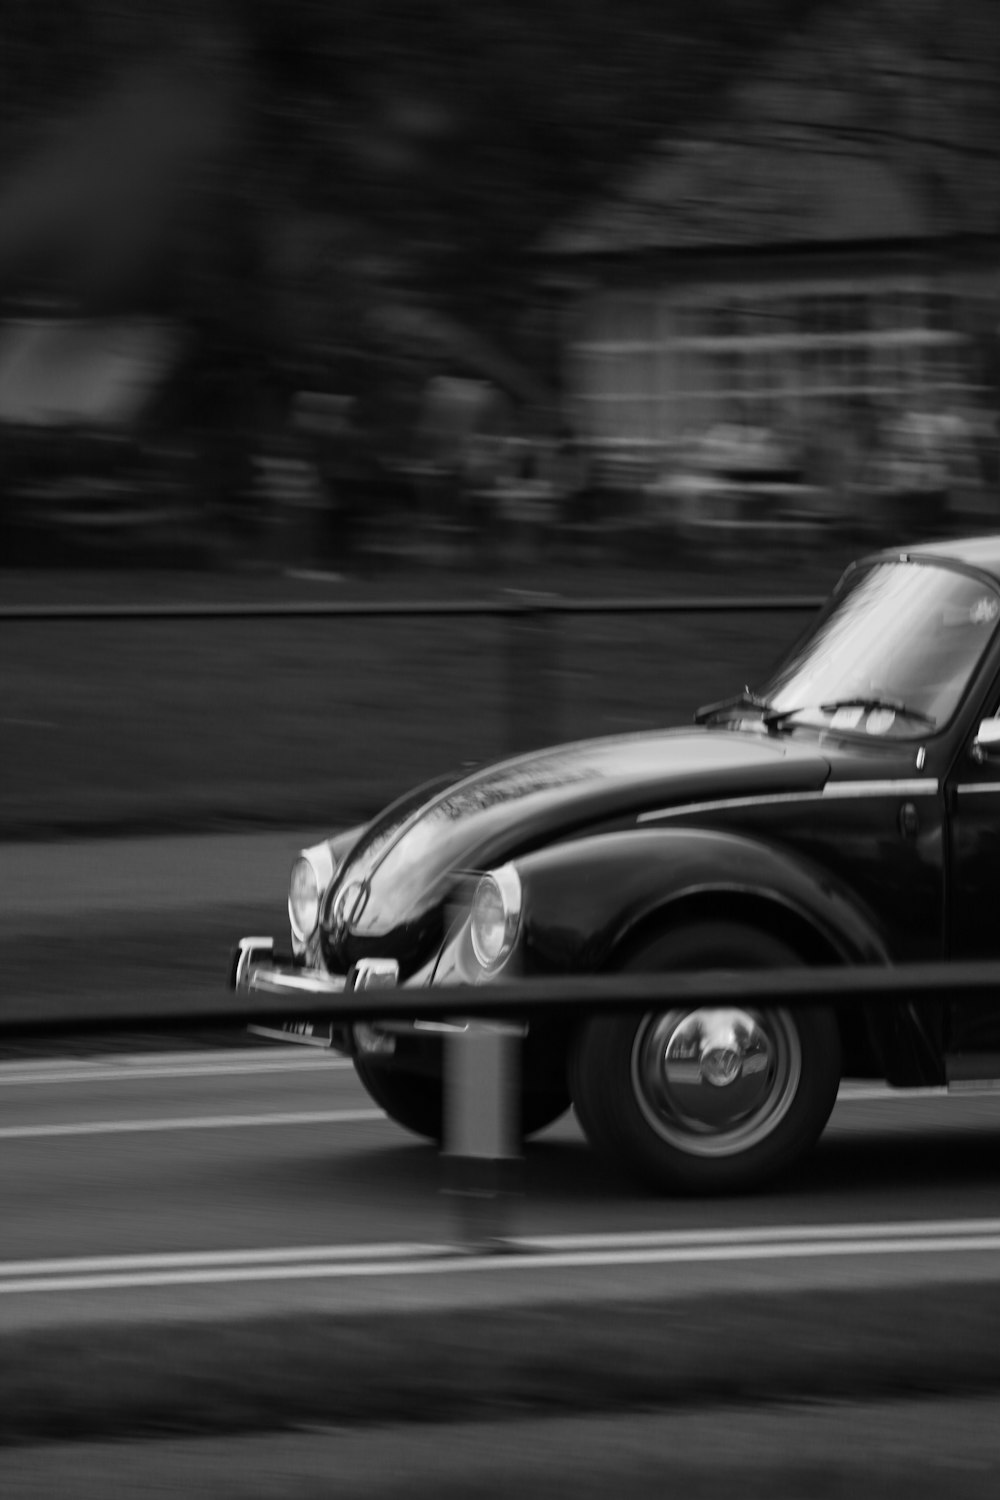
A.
pixel 892 653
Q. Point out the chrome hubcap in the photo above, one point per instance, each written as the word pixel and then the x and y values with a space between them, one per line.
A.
pixel 715 1081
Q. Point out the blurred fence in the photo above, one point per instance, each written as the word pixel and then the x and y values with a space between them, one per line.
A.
pixel 132 718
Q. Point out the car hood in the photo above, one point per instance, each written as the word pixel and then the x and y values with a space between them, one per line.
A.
pixel 411 859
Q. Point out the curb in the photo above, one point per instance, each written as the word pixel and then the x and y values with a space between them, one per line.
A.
pixel 280 1373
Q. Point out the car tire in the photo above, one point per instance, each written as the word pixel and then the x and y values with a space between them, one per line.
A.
pixel 417 1102
pixel 704 1100
pixel 408 1099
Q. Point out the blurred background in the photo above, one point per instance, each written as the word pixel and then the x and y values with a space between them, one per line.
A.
pixel 371 289
pixel 321 317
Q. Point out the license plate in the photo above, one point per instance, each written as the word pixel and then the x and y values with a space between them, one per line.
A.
pixel 306 1033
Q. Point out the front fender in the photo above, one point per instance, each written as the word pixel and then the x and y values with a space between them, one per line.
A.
pixel 586 900
pixel 326 857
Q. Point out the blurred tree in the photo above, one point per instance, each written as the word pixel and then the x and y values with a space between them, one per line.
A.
pixel 916 82
pixel 462 132
pixel 452 134
pixel 293 177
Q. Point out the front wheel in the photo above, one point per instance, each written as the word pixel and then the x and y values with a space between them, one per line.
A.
pixel 707 1099
pixel 409 1100
pixel 416 1101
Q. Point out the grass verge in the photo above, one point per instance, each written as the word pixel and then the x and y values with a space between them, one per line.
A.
pixel 273 1374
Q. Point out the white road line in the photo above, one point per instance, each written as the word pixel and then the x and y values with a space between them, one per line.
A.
pixel 859 1090
pixel 355 1116
pixel 128 1070
pixel 200 1259
pixel 291 1059
pixel 744 1235
pixel 192 1122
pixel 211 1056
pixel 781 1235
pixel 448 1264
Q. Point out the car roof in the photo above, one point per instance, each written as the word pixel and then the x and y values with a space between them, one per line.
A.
pixel 980 552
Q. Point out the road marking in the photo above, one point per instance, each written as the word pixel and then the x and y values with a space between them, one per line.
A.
pixel 666 1240
pixel 746 1234
pixel 314 575
pixel 192 1122
pixel 127 1069
pixel 344 1262
pixel 197 1259
pixel 854 1090
pixel 217 1122
pixel 291 1059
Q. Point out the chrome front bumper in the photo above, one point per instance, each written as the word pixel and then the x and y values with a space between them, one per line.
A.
pixel 254 970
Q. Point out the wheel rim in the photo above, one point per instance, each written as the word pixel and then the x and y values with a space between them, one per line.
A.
pixel 713 1081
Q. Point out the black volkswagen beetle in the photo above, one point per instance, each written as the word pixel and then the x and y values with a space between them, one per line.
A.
pixel 846 811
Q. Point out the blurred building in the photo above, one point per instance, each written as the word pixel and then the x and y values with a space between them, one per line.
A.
pixel 781 296
pixel 662 347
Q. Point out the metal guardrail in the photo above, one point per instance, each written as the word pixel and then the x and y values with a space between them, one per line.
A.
pixel 527 604
pixel 56 1015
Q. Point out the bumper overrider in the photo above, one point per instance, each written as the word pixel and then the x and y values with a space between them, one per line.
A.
pixel 257 969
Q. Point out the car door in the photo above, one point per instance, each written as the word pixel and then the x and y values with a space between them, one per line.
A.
pixel 973 801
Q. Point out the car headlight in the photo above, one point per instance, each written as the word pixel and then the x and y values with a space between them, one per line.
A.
pixel 303 899
pixel 496 915
pixel 311 875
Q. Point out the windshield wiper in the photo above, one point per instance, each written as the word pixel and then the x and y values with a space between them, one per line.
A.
pixel 746 699
pixel 774 717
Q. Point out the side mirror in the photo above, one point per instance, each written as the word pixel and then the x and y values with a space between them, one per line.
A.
pixel 987 741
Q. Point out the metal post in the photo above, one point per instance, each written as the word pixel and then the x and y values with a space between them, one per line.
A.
pixel 532 715
pixel 482 1128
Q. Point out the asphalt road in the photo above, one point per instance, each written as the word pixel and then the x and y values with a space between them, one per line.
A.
pixel 275 1162
pixel 266 1179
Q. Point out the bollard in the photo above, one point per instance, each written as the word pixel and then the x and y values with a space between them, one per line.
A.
pixel 482 1128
